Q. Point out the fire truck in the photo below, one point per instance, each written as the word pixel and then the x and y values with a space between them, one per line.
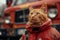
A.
pixel 16 17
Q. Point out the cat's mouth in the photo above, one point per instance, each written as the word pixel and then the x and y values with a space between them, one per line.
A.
pixel 35 29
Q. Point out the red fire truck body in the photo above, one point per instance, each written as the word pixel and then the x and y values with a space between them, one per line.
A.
pixel 12 18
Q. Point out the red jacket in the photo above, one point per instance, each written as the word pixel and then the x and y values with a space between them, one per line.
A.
pixel 46 32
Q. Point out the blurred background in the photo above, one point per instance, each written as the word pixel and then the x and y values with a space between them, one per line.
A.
pixel 14 16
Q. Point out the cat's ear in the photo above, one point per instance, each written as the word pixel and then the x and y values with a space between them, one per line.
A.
pixel 30 8
pixel 43 8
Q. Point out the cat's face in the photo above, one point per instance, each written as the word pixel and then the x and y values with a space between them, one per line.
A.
pixel 34 16
pixel 37 16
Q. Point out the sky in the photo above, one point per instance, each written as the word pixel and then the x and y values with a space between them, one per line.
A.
pixel 2 2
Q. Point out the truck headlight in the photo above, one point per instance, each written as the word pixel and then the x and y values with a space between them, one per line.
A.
pixel 20 31
pixel 7 21
pixel 52 13
pixel 0 33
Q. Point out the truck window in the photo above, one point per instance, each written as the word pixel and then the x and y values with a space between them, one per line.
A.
pixel 21 16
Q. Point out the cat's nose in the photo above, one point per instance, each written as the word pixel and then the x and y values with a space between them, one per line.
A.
pixel 32 15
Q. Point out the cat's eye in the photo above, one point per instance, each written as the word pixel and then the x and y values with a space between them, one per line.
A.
pixel 31 13
pixel 38 13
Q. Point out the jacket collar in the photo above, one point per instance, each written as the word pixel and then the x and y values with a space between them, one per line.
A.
pixel 43 27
